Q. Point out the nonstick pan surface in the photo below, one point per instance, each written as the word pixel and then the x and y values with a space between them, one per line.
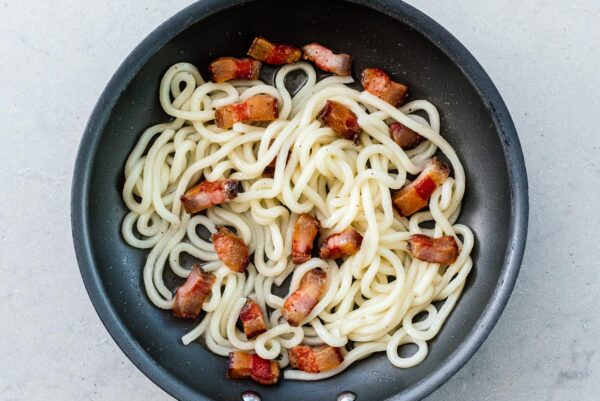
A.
pixel 386 34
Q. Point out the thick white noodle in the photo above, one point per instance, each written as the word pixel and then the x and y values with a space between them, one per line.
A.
pixel 373 297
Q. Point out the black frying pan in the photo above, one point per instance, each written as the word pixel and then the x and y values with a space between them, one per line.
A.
pixel 387 34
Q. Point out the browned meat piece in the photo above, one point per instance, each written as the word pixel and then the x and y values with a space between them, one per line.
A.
pixel 257 108
pixel 303 237
pixel 252 319
pixel 326 60
pixel 340 119
pixel 240 365
pixel 379 83
pixel 341 244
pixel 269 171
pixel 231 250
pixel 244 366
pixel 272 53
pixel 209 193
pixel 315 359
pixel 415 195
pixel 443 250
pixel 228 68
pixel 405 137
pixel 299 304
pixel 191 295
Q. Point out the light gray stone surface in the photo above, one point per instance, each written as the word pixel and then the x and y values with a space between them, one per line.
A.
pixel 55 59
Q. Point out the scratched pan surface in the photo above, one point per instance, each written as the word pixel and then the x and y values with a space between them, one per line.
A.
pixel 387 34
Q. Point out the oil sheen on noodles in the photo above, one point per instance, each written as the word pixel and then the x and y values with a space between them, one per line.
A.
pixel 373 297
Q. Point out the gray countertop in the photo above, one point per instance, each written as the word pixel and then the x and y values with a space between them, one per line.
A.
pixel 543 55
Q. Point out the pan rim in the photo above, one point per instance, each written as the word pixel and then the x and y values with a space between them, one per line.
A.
pixel 401 11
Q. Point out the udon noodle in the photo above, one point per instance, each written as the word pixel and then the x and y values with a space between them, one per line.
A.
pixel 376 300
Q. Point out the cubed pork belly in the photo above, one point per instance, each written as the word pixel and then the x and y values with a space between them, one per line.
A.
pixel 340 119
pixel 405 137
pixel 251 366
pixel 303 237
pixel 273 53
pixel 209 193
pixel 315 359
pixel 252 319
pixel 191 295
pixel 228 68
pixel 302 301
pixel 231 250
pixel 342 244
pixel 327 60
pixel 415 195
pixel 443 250
pixel 255 109
pixel 379 83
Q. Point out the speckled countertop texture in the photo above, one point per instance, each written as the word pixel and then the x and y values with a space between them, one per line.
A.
pixel 57 56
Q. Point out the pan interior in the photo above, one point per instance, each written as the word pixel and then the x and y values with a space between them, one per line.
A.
pixel 373 39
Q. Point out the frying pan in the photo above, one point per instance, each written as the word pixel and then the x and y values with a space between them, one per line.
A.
pixel 386 34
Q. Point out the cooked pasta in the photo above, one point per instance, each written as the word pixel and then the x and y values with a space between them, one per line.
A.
pixel 373 297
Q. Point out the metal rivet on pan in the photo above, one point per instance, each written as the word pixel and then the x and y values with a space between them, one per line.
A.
pixel 251 396
pixel 346 396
